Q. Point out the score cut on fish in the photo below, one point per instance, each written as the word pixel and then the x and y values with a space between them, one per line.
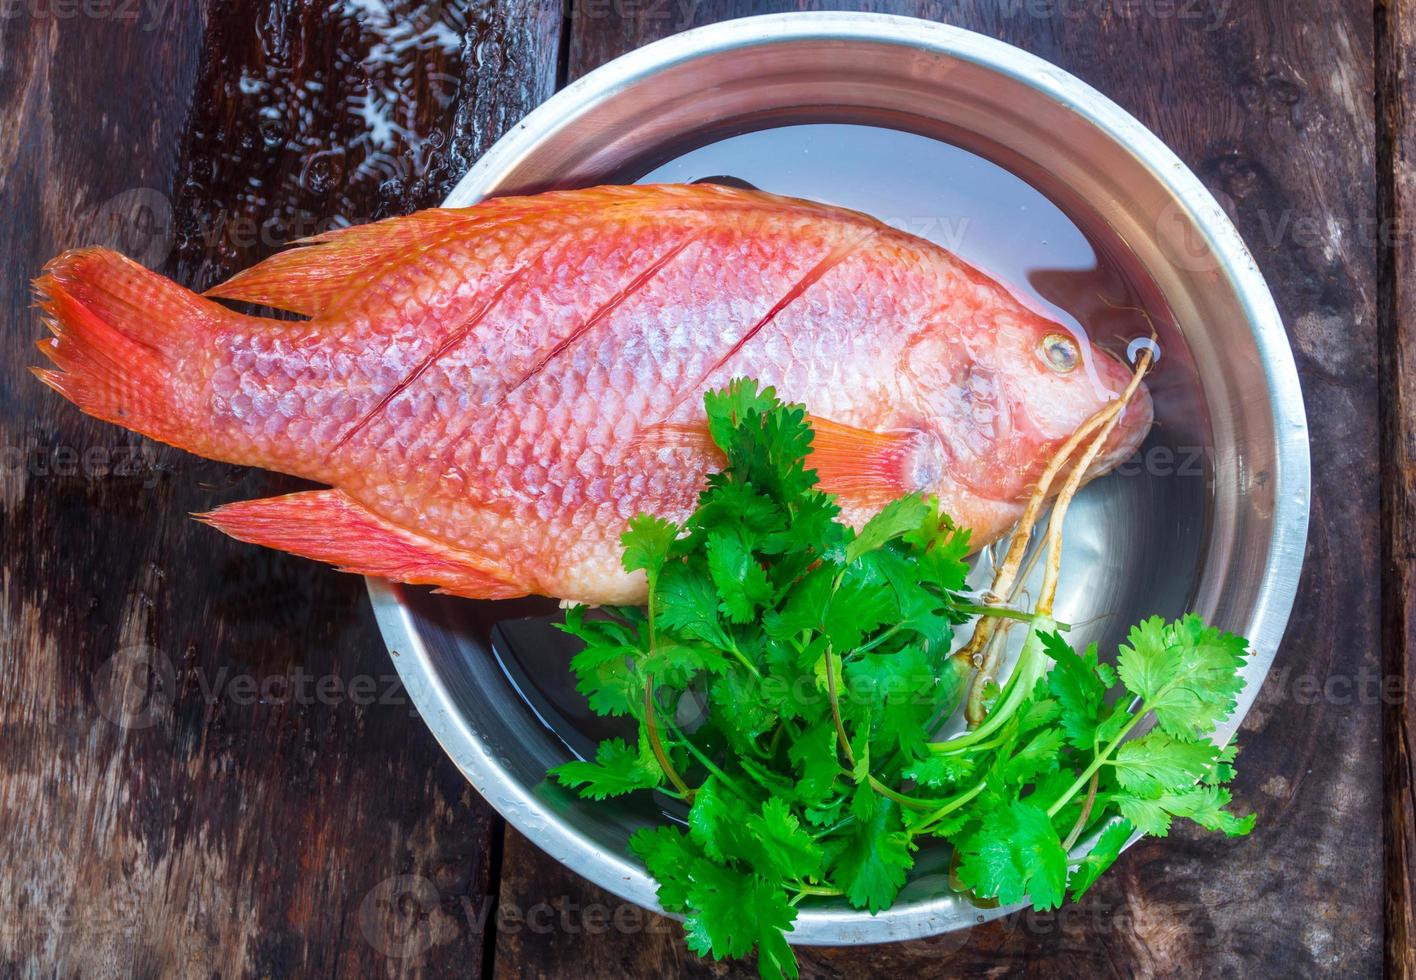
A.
pixel 490 393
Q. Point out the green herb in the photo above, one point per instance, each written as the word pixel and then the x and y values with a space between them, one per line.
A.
pixel 789 674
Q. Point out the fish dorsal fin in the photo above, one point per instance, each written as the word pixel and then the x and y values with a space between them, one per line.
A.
pixel 863 466
pixel 308 278
pixel 311 277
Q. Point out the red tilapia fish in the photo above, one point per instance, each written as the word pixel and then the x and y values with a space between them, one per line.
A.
pixel 492 392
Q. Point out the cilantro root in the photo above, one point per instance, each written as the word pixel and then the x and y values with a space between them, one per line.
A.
pixel 984 647
pixel 820 660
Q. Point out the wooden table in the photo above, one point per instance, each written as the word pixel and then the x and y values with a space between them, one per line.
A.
pixel 206 768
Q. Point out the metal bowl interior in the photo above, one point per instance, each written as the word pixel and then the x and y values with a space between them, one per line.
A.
pixel 1226 543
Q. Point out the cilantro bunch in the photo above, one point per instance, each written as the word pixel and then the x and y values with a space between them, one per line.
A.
pixel 789 674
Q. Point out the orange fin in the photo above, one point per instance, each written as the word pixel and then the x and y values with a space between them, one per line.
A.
pixel 329 526
pixel 118 331
pixel 309 278
pixel 313 277
pixel 679 435
pixel 861 465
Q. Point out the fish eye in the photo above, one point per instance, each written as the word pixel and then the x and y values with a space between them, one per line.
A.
pixel 1060 352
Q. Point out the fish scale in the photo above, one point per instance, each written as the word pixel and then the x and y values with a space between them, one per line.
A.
pixel 492 392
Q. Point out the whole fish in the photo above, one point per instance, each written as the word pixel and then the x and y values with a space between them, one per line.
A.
pixel 491 392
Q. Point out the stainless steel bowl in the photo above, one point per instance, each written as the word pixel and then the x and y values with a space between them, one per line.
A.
pixel 1227 543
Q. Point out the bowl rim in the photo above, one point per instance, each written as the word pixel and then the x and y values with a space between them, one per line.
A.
pixel 1277 586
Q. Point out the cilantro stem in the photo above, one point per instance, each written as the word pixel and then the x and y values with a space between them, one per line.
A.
pixel 805 889
pixel 1097 762
pixel 765 778
pixel 948 808
pixel 1086 812
pixel 1003 612
pixel 992 743
pixel 843 822
pixel 712 767
pixel 742 659
pixel 653 581
pixel 651 728
pixel 1031 661
pixel 913 802
pixel 836 708
pixel 866 648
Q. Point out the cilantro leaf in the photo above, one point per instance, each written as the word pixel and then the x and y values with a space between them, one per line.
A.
pixel 1037 756
pixel 744 716
pixel 1016 853
pixel 741 582
pixel 1077 687
pixel 904 689
pixel 1187 673
pixel 677 664
pixel 938 770
pixel 1205 805
pixel 1102 855
pixel 730 409
pixel 669 855
pixel 646 544
pixel 857 607
pixel 732 911
pixel 715 820
pixel 606 678
pixel 813 755
pixel 871 868
pixel 894 520
pixel 617 769
pixel 689 603
pixel 940 549
pixel 792 851
pixel 921 610
pixel 1157 762
pixel 805 605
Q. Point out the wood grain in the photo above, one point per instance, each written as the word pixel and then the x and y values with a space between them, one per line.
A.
pixel 1271 104
pixel 1396 169
pixel 207 767
pixel 161 814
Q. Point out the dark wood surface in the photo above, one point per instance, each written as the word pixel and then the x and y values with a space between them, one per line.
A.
pixel 1396 163
pixel 160 817
pixel 207 770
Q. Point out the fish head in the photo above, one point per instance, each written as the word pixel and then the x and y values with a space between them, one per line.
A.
pixel 1002 399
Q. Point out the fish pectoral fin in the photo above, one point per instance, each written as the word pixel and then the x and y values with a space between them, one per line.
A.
pixel 863 466
pixel 330 526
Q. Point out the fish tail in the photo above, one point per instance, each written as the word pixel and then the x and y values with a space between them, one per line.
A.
pixel 118 330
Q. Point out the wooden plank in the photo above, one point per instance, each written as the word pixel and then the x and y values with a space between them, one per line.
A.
pixel 1396 169
pixel 206 768
pixel 1270 103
